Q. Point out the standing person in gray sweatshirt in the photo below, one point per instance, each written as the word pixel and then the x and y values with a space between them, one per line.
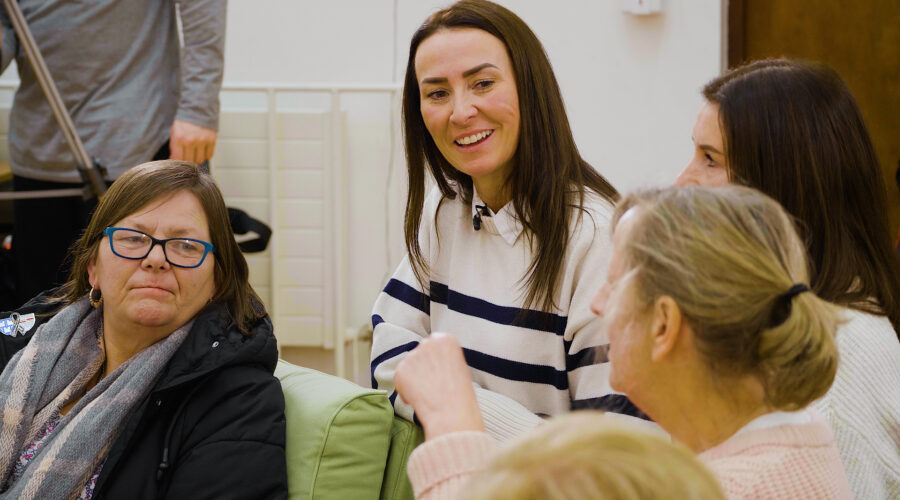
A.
pixel 134 95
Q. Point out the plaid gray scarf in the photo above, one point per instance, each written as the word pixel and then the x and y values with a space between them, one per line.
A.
pixel 56 366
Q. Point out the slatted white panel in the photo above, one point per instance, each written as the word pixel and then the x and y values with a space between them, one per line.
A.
pixel 302 149
pixel 241 168
pixel 289 193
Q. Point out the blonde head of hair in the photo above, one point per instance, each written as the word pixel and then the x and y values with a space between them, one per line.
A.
pixel 728 257
pixel 590 456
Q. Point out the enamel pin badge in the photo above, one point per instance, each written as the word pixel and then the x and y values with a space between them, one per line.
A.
pixel 16 324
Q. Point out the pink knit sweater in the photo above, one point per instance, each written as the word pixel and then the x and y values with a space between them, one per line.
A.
pixel 439 468
pixel 782 462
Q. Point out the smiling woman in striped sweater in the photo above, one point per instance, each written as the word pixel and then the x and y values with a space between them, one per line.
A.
pixel 509 246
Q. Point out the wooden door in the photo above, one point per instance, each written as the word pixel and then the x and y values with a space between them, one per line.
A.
pixel 859 39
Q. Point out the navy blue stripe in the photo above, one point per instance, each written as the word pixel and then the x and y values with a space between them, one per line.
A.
pixel 503 315
pixel 407 294
pixel 393 397
pixel 615 403
pixel 390 353
pixel 515 370
pixel 588 356
pixel 376 320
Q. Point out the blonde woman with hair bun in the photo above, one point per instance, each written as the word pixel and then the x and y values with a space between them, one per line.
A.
pixel 715 334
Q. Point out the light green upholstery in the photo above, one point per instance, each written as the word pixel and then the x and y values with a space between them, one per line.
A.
pixel 343 441
pixel 405 436
pixel 338 435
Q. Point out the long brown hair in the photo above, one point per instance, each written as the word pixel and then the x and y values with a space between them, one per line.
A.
pixel 142 185
pixel 549 177
pixel 793 130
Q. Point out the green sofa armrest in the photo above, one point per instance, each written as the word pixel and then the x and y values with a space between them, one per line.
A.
pixel 405 436
pixel 338 435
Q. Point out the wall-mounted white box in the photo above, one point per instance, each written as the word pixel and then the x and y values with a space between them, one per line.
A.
pixel 642 7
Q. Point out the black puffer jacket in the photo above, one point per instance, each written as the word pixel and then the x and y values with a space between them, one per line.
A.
pixel 212 427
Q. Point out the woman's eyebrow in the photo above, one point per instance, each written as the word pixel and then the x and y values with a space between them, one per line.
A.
pixel 476 69
pixel 177 232
pixel 707 147
pixel 467 73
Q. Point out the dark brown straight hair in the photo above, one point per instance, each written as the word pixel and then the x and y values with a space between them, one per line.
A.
pixel 549 176
pixel 793 130
pixel 142 185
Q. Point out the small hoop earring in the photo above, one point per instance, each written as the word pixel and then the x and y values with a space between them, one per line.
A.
pixel 96 298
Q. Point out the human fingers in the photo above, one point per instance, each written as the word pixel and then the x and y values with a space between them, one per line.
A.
pixel 191 142
pixel 434 379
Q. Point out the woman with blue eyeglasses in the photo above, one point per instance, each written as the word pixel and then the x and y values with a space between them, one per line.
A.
pixel 149 373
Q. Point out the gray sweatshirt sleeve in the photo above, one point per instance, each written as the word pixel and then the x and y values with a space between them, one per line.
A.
pixel 10 43
pixel 202 61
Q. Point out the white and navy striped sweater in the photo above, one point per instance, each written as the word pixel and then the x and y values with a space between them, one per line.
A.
pixel 525 363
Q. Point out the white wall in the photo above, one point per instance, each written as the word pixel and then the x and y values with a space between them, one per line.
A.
pixel 631 85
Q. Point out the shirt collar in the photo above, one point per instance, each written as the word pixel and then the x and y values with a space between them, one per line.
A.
pixel 504 222
pixel 775 419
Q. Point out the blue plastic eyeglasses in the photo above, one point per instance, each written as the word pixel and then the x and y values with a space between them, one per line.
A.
pixel 135 245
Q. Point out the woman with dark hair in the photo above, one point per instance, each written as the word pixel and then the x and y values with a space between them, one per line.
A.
pixel 506 250
pixel 149 373
pixel 793 130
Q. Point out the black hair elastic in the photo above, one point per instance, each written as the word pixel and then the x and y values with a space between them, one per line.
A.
pixel 782 308
pixel 793 291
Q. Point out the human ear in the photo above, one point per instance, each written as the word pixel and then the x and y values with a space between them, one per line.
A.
pixel 665 327
pixel 92 272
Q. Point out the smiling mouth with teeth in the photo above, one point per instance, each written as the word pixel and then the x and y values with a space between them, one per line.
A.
pixel 474 138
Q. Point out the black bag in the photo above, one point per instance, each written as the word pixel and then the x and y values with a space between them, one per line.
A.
pixel 242 223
